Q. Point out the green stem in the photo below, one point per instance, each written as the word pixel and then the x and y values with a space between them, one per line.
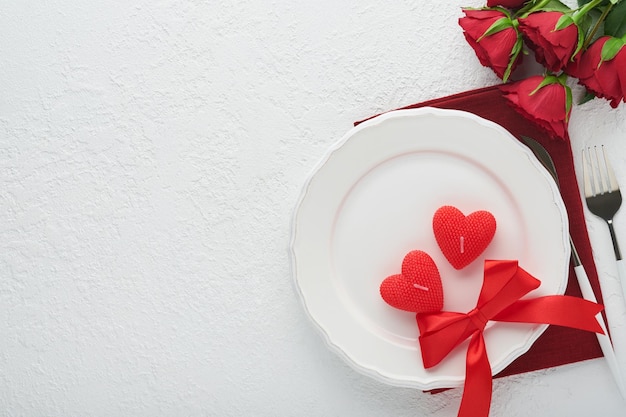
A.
pixel 538 5
pixel 531 7
pixel 595 28
pixel 524 9
pixel 585 9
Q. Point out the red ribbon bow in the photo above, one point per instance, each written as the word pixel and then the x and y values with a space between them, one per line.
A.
pixel 499 300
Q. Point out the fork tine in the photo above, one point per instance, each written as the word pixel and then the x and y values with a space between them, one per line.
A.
pixel 587 174
pixel 600 173
pixel 610 174
pixel 596 172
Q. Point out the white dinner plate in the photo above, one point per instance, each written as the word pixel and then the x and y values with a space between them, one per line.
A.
pixel 371 201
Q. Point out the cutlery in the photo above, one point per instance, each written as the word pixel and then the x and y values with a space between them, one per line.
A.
pixel 581 275
pixel 603 197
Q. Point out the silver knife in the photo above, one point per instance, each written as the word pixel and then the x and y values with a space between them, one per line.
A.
pixel 581 275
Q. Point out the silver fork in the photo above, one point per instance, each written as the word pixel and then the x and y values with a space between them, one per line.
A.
pixel 581 275
pixel 603 197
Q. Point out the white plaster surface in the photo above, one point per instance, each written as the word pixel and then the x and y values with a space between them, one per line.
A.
pixel 151 155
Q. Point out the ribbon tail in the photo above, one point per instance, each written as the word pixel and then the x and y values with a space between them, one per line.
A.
pixel 561 310
pixel 476 399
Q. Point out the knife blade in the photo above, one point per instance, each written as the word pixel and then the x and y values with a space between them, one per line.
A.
pixel 581 275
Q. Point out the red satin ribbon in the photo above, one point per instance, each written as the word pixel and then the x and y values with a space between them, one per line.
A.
pixel 499 300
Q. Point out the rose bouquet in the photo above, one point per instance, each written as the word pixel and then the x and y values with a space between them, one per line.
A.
pixel 584 43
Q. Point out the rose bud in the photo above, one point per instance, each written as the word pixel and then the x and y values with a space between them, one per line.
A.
pixel 495 39
pixel 546 101
pixel 553 36
pixel 602 69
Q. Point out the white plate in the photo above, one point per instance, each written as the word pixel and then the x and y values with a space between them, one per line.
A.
pixel 371 201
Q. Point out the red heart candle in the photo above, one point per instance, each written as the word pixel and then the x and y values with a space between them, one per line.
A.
pixel 417 288
pixel 463 238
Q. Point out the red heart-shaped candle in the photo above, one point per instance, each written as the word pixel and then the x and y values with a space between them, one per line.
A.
pixel 463 238
pixel 418 288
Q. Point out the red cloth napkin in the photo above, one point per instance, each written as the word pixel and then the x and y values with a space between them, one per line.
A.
pixel 557 345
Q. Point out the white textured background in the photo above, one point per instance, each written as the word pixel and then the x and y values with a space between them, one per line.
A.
pixel 151 155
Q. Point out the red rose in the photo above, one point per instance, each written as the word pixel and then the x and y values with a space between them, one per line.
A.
pixel 553 48
pixel 604 77
pixel 546 101
pixel 511 4
pixel 495 39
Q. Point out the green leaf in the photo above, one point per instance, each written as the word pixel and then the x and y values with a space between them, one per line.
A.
pixel 517 48
pixel 579 44
pixel 590 20
pixel 615 22
pixel 587 97
pixel 568 101
pixel 497 26
pixel 557 6
pixel 610 49
pixel 563 22
pixel 547 80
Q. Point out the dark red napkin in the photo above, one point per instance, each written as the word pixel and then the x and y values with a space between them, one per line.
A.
pixel 557 345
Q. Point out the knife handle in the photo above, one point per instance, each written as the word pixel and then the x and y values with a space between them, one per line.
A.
pixel 585 286
pixel 603 339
